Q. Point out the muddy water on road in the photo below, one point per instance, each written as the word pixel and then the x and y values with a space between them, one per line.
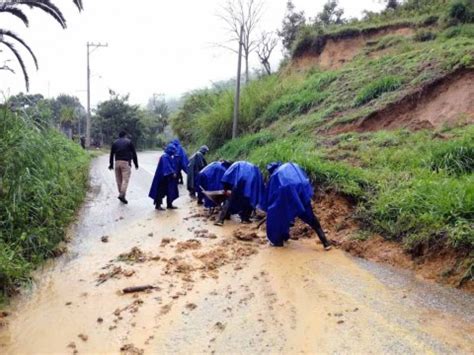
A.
pixel 216 293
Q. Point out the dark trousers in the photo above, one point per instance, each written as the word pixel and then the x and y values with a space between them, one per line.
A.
pixel 225 212
pixel 309 218
pixel 164 190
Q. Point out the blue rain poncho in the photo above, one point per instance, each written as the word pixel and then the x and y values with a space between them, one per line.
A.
pixel 246 182
pixel 210 179
pixel 287 196
pixel 181 157
pixel 164 182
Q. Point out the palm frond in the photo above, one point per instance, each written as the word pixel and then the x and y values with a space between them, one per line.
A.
pixel 79 4
pixel 47 6
pixel 7 33
pixel 15 12
pixel 20 61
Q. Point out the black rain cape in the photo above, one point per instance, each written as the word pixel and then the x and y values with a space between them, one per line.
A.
pixel 196 163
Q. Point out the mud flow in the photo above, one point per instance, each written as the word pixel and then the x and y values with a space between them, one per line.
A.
pixel 140 281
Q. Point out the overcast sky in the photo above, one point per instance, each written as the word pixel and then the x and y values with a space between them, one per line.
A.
pixel 154 46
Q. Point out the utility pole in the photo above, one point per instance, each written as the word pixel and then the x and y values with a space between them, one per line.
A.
pixel 88 120
pixel 237 86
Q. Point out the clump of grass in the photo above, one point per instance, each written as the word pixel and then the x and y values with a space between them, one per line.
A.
pixel 456 158
pixel 43 179
pixel 376 89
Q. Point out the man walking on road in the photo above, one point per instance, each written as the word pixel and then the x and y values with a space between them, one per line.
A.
pixel 124 152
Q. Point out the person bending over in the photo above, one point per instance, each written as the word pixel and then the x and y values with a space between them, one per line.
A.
pixel 243 183
pixel 288 196
pixel 210 179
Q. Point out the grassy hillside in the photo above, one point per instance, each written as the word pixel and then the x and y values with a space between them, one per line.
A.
pixel 43 179
pixel 416 187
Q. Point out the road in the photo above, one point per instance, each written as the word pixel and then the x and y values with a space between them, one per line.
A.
pixel 215 293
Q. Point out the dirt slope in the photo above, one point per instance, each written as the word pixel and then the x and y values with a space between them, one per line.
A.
pixel 445 102
pixel 338 52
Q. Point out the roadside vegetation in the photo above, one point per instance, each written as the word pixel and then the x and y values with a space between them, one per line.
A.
pixel 413 187
pixel 43 180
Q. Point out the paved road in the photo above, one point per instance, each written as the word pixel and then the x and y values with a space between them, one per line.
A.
pixel 220 295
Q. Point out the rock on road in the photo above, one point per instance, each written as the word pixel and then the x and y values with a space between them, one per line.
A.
pixel 214 293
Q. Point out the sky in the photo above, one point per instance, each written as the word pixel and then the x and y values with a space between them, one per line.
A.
pixel 163 47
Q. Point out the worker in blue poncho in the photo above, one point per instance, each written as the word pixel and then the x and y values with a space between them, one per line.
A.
pixel 288 195
pixel 210 179
pixel 182 161
pixel 165 182
pixel 243 183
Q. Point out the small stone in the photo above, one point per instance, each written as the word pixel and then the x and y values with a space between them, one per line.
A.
pixel 100 320
pixel 340 321
pixel 68 303
pixel 104 239
pixel 83 337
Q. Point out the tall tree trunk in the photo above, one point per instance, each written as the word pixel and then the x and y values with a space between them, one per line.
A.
pixel 247 77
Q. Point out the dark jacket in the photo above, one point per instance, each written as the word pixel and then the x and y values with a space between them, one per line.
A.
pixel 123 149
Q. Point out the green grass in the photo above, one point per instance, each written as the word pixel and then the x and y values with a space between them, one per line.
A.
pixel 375 89
pixel 43 181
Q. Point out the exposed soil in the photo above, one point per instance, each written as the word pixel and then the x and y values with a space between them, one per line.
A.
pixel 338 52
pixel 445 102
pixel 336 215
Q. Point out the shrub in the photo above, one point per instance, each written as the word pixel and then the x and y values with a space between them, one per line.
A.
pixel 466 30
pixel 461 11
pixel 377 88
pixel 43 178
pixel 424 36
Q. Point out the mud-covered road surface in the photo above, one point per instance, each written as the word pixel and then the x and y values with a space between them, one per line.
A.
pixel 219 290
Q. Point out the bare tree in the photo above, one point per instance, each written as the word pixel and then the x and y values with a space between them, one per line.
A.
pixel 266 45
pixel 242 13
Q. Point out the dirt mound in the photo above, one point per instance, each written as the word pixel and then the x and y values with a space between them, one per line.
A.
pixel 191 244
pixel 339 51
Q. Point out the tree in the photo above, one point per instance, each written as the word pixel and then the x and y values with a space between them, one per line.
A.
pixel 330 15
pixel 9 38
pixel 114 115
pixel 392 4
pixel 246 14
pixel 68 114
pixel 265 48
pixel 291 25
pixel 155 122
